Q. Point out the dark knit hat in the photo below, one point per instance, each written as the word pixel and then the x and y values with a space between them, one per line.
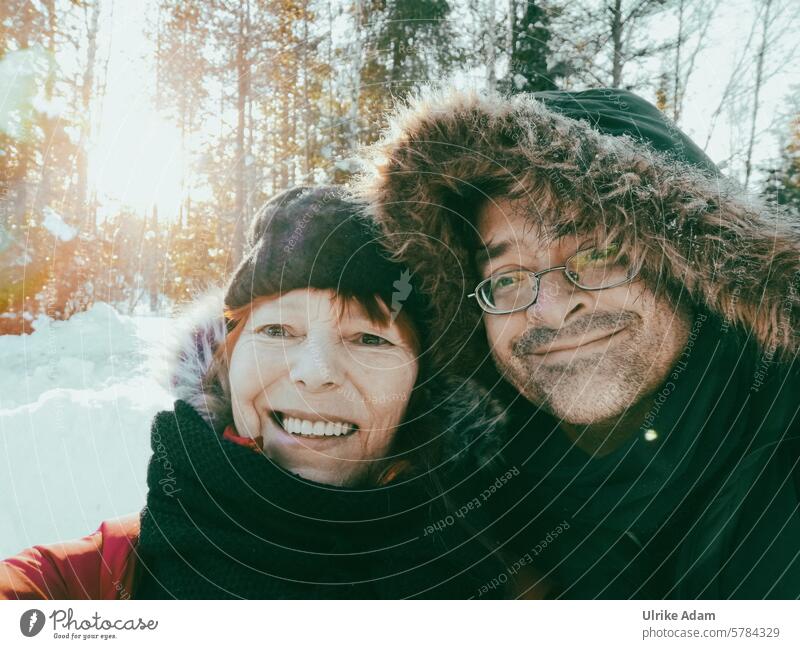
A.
pixel 318 237
pixel 313 237
pixel 619 112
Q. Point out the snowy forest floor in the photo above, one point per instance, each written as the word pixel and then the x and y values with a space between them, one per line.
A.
pixel 76 402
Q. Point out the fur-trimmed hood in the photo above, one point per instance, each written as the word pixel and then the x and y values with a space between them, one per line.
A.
pixel 470 421
pixel 693 230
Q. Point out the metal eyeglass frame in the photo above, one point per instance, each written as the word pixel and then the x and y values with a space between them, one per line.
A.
pixel 536 275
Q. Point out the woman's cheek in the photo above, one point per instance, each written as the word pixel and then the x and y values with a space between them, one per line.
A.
pixel 386 400
pixel 243 395
pixel 248 423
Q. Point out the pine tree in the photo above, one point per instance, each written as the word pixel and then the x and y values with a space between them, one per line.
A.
pixel 530 48
pixel 406 43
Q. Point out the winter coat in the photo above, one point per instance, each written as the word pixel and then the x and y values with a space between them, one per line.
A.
pixel 109 564
pixel 98 566
pixel 703 501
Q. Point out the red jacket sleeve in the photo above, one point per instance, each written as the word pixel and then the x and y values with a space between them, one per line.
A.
pixel 98 566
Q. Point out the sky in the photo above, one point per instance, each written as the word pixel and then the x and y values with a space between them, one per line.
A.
pixel 137 159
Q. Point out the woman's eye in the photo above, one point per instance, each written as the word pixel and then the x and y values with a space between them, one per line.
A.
pixel 274 331
pixel 372 339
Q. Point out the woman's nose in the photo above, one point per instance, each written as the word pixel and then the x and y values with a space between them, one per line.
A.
pixel 314 366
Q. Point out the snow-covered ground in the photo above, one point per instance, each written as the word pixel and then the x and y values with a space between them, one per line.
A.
pixel 76 402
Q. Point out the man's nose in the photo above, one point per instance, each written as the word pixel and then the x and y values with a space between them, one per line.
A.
pixel 314 366
pixel 558 301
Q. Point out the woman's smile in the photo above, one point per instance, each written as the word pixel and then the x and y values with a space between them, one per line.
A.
pixel 278 438
pixel 319 428
pixel 312 425
pixel 316 382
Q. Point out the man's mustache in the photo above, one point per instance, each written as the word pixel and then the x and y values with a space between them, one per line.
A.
pixel 537 337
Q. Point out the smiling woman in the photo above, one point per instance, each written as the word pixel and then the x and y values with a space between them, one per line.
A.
pixel 331 479
pixel 313 346
pixel 311 447
pixel 313 377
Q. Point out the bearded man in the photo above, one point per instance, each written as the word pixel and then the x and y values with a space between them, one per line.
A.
pixel 638 316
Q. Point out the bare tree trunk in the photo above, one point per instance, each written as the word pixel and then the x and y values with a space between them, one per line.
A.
pixel 748 165
pixel 81 202
pixel 356 91
pixel 151 271
pixel 676 82
pixel 19 180
pixel 251 169
pixel 616 38
pixel 183 103
pixel 395 76
pixel 291 154
pixel 306 101
pixel 330 58
pixel 243 91
pixel 48 122
pixel 491 46
pixel 512 28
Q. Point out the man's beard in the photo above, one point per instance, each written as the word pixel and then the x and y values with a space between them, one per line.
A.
pixel 592 388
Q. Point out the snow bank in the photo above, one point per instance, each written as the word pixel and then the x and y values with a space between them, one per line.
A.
pixel 76 403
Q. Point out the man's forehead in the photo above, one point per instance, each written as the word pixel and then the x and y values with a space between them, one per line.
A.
pixel 513 228
pixel 510 221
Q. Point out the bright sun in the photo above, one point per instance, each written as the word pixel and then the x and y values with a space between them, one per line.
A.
pixel 137 161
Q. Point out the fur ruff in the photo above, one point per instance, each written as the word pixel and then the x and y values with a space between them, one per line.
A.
pixel 696 234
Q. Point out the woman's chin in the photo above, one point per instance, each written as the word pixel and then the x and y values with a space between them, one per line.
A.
pixel 322 476
pixel 333 476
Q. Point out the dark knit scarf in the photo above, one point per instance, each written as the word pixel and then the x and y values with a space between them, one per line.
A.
pixel 662 514
pixel 222 521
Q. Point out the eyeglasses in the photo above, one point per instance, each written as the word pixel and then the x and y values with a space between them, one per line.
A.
pixel 590 269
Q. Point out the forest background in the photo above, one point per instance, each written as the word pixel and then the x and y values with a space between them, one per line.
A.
pixel 137 138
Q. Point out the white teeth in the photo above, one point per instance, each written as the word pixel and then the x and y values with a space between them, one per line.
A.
pixel 308 428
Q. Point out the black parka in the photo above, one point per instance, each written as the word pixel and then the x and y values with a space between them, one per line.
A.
pixel 703 500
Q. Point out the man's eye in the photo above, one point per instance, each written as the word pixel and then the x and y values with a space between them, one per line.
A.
pixel 372 340
pixel 274 331
pixel 604 253
pixel 506 281
pixel 594 256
